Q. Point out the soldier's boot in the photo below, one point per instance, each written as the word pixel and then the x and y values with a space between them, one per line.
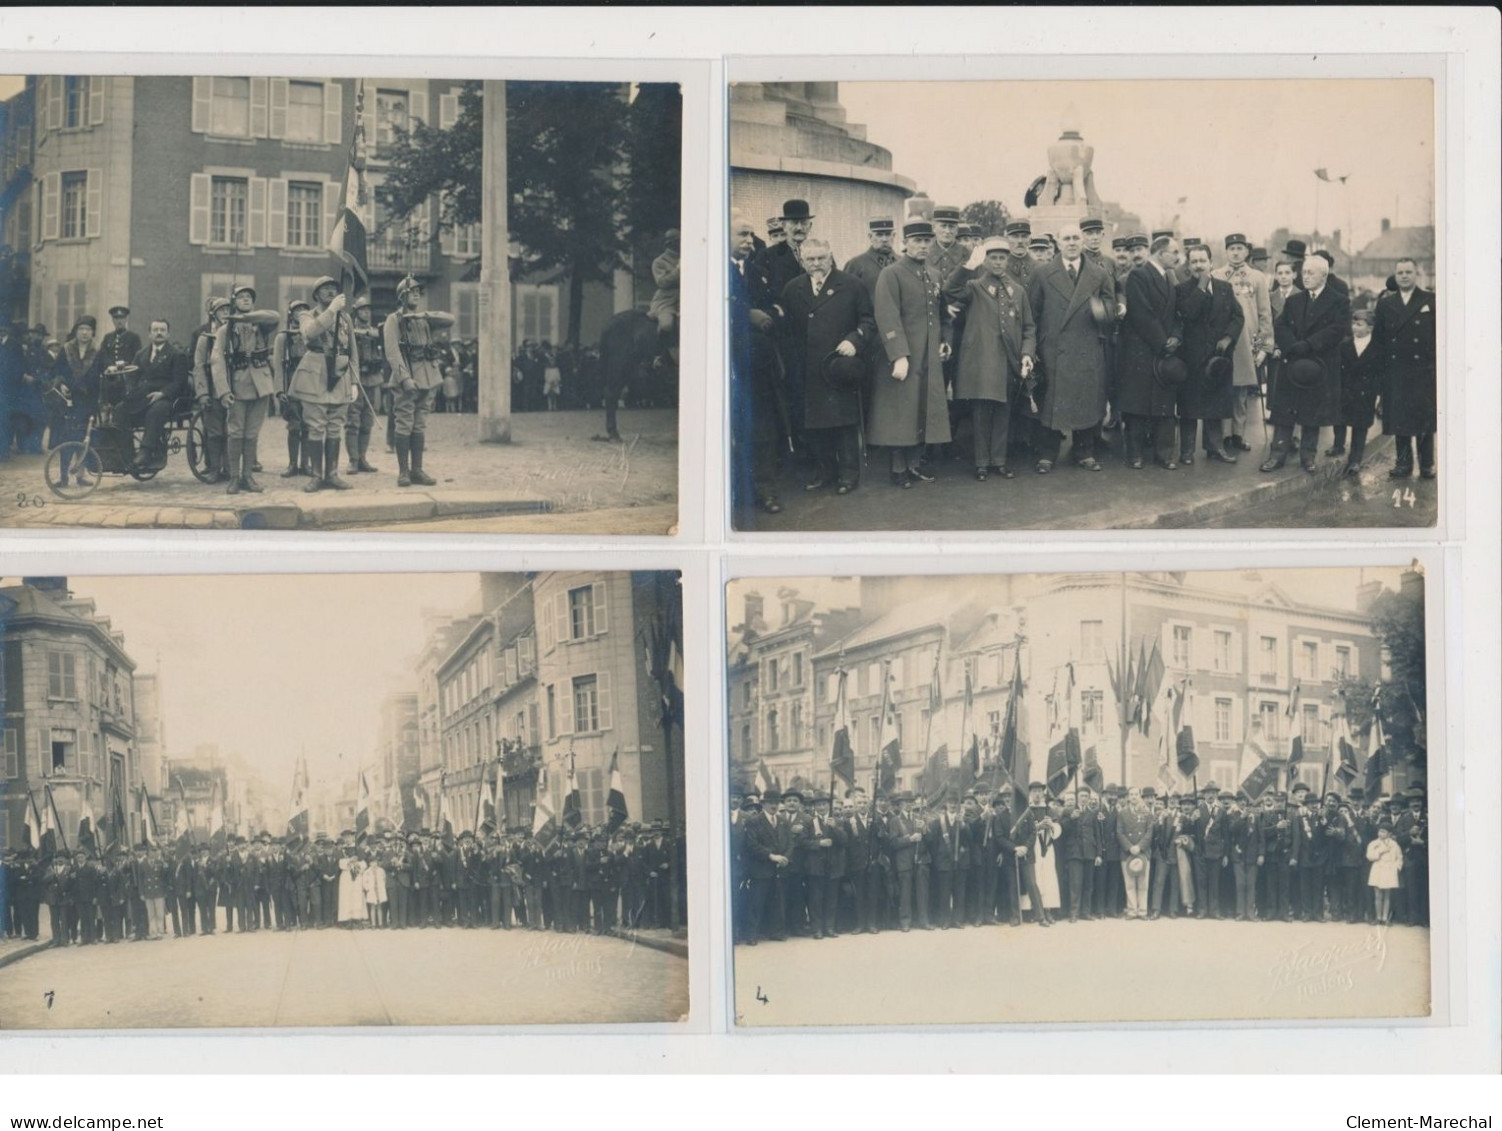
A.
pixel 307 451
pixel 235 449
pixel 331 465
pixel 364 464
pixel 352 446
pixel 294 455
pixel 247 481
pixel 313 453
pixel 403 459
pixel 419 443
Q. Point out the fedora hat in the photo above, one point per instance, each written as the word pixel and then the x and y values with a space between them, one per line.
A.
pixel 1218 368
pixel 1306 372
pixel 846 374
pixel 1170 371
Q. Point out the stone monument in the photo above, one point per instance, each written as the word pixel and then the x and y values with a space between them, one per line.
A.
pixel 1068 194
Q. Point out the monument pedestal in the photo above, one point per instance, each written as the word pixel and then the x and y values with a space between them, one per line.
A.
pixel 1051 217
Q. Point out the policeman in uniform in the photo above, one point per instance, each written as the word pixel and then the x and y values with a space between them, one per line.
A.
pixel 868 264
pixel 205 392
pixel 948 252
pixel 1020 262
pixel 413 356
pixel 286 353
pixel 241 365
pixel 324 380
pixel 373 373
pixel 121 344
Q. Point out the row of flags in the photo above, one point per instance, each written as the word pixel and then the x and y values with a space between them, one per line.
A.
pixel 44 824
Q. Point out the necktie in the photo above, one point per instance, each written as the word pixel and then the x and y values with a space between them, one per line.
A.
pixel 153 355
pixel 1074 273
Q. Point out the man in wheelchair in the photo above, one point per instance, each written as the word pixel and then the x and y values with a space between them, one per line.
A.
pixel 148 394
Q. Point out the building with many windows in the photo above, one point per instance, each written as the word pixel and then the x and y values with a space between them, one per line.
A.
pixel 70 724
pixel 397 759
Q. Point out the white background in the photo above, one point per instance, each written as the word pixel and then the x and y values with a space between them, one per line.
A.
pixel 473 43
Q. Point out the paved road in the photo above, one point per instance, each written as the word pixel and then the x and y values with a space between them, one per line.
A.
pixel 1107 970
pixel 339 977
pixel 552 464
pixel 1203 495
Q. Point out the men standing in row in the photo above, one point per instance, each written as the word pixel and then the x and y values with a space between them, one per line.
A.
pixel 371 349
pixel 1250 350
pixel 1404 334
pixel 242 374
pixel 828 328
pixel 1212 323
pixel 908 404
pixel 412 353
pixel 1149 372
pixel 868 265
pixel 323 381
pixel 286 353
pixel 1072 302
pixel 1309 331
pixel 208 393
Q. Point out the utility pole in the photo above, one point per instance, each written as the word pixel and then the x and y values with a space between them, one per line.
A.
pixel 494 296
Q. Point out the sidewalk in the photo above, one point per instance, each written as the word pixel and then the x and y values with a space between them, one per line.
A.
pixel 1202 495
pixel 551 468
pixel 13 950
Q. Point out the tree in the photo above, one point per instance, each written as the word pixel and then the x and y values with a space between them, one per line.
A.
pixel 989 216
pixel 655 171
pixel 427 161
pixel 1398 621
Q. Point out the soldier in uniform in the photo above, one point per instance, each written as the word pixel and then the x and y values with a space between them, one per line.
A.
pixel 371 346
pixel 206 393
pixel 948 251
pixel 241 366
pixel 413 357
pixel 324 381
pixel 664 306
pixel 286 354
pixel 121 345
pixel 1250 350
pixel 869 264
pixel 1403 333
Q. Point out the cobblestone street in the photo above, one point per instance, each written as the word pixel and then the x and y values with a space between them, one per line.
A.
pixel 342 977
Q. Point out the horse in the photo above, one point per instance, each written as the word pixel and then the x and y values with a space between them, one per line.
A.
pixel 633 356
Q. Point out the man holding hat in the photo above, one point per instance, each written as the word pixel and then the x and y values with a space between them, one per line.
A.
pixel 1307 393
pixel 1212 323
pixel 121 345
pixel 413 354
pixel 324 380
pixel 1073 302
pixel 868 265
pixel 1404 335
pixel 287 350
pixel 1149 370
pixel 828 327
pixel 1250 350
pixel 371 346
pixel 241 364
pixel 908 405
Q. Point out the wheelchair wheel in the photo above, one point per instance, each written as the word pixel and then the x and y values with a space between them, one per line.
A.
pixel 73 470
pixel 198 459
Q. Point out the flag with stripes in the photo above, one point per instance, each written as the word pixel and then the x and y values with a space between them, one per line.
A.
pixel 484 807
pixel 362 804
pixel 33 822
pixel 544 824
pixel 1342 750
pixel 350 234
pixel 842 754
pixel 573 813
pixel 615 798
pixel 147 818
pixel 1295 729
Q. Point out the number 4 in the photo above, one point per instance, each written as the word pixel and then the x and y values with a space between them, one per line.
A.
pixel 1402 495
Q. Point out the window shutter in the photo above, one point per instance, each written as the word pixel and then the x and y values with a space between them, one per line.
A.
pixel 566 707
pixel 448 110
pixel 561 616
pixel 51 200
pixel 276 212
pixel 604 698
pixel 96 100
pixel 602 610
pixel 203 104
pixel 199 193
pixel 257 212
pixel 333 112
pixel 447 242
pixel 418 106
pixel 546 628
pixel 368 119
pixel 93 204
pixel 55 102
pixel 12 756
pixel 34 754
pixel 276 122
pixel 260 104
pixel 333 200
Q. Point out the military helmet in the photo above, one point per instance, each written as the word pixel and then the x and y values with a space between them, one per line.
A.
pixel 406 286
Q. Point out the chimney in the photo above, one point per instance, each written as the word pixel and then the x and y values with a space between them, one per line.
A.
pixel 1366 595
pixel 1411 585
pixel 1386 225
pixel 753 615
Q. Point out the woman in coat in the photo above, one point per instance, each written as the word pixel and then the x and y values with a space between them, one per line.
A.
pixel 908 405
pixel 1358 391
pixel 1386 857
pixel 1000 342
pixel 74 389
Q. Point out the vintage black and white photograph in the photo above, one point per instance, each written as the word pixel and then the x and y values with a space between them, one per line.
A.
pixel 1079 797
pixel 1083 305
pixel 335 303
pixel 342 800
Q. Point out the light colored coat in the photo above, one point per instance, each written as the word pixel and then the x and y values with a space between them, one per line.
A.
pixel 1251 290
pixel 1386 857
pixel 324 332
pixel 249 334
pixel 415 332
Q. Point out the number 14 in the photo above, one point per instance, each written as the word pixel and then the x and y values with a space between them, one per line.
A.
pixel 1402 496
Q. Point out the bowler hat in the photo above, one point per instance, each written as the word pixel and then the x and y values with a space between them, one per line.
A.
pixel 1306 372
pixel 1295 249
pixel 1032 785
pixel 1217 368
pixel 915 228
pixel 845 374
pixel 1259 254
pixel 792 793
pixel 1170 371
pixel 796 210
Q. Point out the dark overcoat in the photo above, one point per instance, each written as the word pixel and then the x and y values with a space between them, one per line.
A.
pixel 813 325
pixel 1404 335
pixel 1314 329
pixel 1071 346
pixel 1151 319
pixel 999 332
pixel 912 321
pixel 1206 319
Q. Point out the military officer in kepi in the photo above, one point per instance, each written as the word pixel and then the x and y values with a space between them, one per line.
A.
pixel 241 365
pixel 324 381
pixel 413 356
pixel 121 345
pixel 362 411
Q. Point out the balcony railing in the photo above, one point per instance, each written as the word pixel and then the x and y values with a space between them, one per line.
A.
pixel 393 255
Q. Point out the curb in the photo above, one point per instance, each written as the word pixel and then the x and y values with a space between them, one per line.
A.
pixel 675 947
pixel 24 952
